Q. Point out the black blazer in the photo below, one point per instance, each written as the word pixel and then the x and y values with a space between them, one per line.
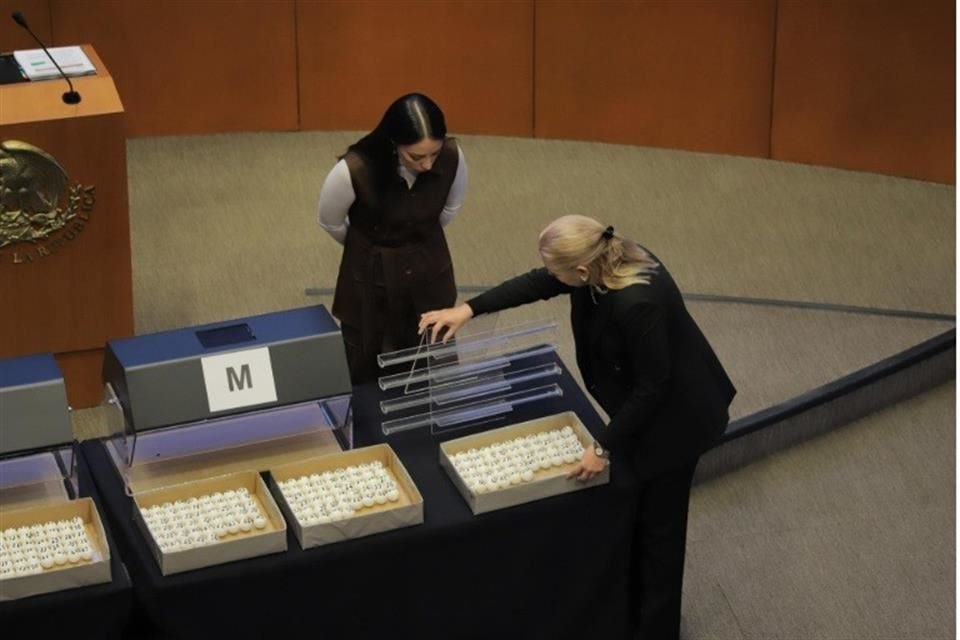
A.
pixel 645 361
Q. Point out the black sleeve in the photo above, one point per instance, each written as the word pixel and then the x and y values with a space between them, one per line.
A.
pixel 534 285
pixel 646 345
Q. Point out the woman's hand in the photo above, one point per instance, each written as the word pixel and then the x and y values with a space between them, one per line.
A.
pixel 445 322
pixel 590 465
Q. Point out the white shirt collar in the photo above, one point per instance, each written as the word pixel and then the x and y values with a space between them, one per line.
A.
pixel 409 176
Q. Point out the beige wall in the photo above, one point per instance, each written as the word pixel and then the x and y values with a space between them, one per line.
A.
pixel 846 83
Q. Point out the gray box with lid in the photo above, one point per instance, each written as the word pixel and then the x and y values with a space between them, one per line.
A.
pixel 33 405
pixel 159 378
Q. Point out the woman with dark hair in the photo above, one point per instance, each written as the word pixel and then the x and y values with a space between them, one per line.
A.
pixel 645 361
pixel 387 200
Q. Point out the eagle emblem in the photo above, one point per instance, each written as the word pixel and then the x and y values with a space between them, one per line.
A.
pixel 32 185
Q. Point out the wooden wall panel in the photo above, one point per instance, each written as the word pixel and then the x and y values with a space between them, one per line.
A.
pixel 688 75
pixel 37 14
pixel 475 58
pixel 867 86
pixel 185 66
pixel 83 375
pixel 73 291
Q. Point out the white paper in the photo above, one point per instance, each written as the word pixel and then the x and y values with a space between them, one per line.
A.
pixel 239 379
pixel 37 65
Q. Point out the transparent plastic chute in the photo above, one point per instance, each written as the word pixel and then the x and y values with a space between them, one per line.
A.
pixel 475 378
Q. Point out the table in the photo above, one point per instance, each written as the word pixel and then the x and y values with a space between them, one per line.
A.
pixel 556 568
pixel 95 611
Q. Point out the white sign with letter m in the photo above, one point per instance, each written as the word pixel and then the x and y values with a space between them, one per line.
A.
pixel 239 379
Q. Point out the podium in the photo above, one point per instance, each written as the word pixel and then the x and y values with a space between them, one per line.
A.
pixel 65 276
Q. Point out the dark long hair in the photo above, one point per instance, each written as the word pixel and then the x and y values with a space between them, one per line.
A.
pixel 408 120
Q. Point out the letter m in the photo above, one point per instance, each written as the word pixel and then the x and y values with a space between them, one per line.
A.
pixel 239 382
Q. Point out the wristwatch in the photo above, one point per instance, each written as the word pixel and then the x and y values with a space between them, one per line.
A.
pixel 600 451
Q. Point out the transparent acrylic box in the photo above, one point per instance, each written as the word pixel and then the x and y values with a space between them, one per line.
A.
pixel 38 488
pixel 189 461
pixel 475 378
pixel 38 478
pixel 251 441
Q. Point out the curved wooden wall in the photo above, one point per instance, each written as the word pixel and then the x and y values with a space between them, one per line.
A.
pixel 847 83
pixel 37 13
pixel 688 75
pixel 192 66
pixel 474 58
pixel 867 86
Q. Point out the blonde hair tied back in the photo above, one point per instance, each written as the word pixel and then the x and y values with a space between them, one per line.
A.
pixel 613 262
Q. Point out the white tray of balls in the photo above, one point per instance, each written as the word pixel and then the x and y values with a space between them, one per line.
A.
pixel 339 494
pixel 518 460
pixel 203 520
pixel 45 546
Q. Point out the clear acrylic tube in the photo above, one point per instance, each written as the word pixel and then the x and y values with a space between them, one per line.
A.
pixel 477 387
pixel 463 345
pixel 471 412
pixel 449 373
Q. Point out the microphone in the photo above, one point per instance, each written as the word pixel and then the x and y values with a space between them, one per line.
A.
pixel 70 97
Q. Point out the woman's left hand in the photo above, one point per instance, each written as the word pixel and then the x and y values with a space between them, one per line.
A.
pixel 590 465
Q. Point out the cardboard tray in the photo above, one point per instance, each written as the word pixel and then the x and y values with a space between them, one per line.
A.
pixel 545 483
pixel 95 571
pixel 406 512
pixel 272 539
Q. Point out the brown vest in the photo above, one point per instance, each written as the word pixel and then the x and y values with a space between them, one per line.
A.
pixel 395 244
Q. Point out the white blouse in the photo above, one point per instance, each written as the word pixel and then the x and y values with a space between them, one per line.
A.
pixel 337 195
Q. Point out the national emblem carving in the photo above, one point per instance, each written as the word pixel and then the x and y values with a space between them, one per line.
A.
pixel 36 201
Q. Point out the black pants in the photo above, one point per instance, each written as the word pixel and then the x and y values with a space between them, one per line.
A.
pixel 659 547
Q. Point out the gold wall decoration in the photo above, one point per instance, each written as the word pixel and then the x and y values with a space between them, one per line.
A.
pixel 38 208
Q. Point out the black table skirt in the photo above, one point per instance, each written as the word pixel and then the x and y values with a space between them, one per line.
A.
pixel 556 568
pixel 95 611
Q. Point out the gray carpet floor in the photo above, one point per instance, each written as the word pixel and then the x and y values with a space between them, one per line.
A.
pixel 848 536
pixel 851 535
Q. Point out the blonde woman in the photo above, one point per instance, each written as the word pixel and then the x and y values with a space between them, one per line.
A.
pixel 647 363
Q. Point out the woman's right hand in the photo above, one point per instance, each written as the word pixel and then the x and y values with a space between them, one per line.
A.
pixel 444 322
